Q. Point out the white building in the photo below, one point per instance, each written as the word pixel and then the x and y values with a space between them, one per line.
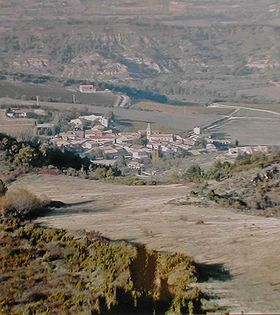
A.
pixel 197 130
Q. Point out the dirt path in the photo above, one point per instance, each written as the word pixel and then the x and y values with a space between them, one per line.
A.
pixel 247 246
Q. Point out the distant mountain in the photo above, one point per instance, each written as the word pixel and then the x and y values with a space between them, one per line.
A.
pixel 188 50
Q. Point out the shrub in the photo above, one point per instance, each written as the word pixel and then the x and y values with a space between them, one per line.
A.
pixel 3 188
pixel 194 173
pixel 220 171
pixel 26 156
pixel 21 203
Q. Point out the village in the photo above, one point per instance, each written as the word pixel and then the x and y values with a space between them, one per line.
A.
pixel 100 138
pixel 104 143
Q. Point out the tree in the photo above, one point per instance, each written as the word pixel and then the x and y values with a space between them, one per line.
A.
pixel 26 155
pixel 3 188
pixel 194 173
pixel 220 171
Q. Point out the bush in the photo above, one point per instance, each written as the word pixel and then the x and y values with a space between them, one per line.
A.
pixel 21 203
pixel 194 173
pixel 26 156
pixel 3 188
pixel 220 171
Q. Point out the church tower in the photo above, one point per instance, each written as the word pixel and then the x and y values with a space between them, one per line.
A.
pixel 149 131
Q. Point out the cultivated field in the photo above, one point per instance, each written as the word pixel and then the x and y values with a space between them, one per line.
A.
pixel 16 127
pixel 197 116
pixel 55 93
pixel 247 247
pixel 250 126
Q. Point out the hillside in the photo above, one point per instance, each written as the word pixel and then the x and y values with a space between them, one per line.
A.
pixel 238 251
pixel 220 50
pixel 47 270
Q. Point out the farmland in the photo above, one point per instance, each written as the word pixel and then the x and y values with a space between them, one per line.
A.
pixel 199 115
pixel 54 93
pixel 16 127
pixel 251 124
pixel 240 250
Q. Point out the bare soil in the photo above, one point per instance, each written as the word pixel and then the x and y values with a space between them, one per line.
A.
pixel 242 251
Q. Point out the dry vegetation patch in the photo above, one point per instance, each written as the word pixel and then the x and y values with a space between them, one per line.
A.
pixel 50 271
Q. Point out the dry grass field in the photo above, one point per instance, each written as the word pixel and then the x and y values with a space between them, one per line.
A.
pixel 242 251
pixel 16 127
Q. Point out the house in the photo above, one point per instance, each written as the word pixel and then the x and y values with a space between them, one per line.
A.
pixel 87 88
pixel 104 121
pixel 109 151
pixel 127 137
pixel 91 117
pixel 93 133
pixel 135 165
pixel 138 151
pixel 79 133
pixel 10 114
pixel 197 130
pixel 103 138
pixel 46 126
pixel 183 147
pixel 89 145
pixel 77 123
pixel 210 147
pixel 68 135
pixel 77 144
pixel 140 155
pixel 168 137
pixel 16 113
pixel 247 150
pixel 240 150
